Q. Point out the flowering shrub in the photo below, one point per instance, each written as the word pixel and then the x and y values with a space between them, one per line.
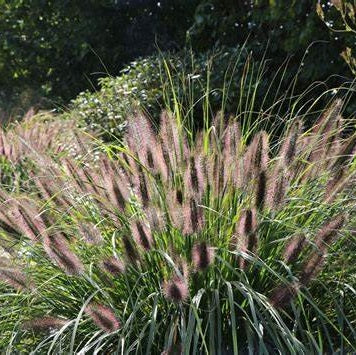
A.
pixel 207 241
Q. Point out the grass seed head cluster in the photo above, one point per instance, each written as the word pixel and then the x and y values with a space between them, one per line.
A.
pixel 179 239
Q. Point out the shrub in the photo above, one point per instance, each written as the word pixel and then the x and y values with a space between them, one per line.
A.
pixel 195 86
pixel 205 241
pixel 224 77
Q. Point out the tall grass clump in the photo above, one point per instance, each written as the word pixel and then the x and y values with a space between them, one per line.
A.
pixel 35 134
pixel 212 240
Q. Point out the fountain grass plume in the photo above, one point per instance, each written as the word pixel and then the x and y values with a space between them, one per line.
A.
pixel 90 233
pixel 142 234
pixel 175 289
pixel 261 190
pixel 277 188
pixel 194 176
pixel 293 248
pixel 103 316
pixel 113 266
pixel 45 324
pixel 328 232
pixel 57 248
pixel 245 238
pixel 193 218
pixel 15 278
pixel 287 151
pixel 282 295
pixel 202 256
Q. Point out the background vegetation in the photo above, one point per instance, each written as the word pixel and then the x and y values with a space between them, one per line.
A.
pixel 51 50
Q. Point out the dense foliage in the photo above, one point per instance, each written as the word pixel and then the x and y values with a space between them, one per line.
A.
pixel 346 25
pixel 159 81
pixel 289 28
pixel 55 49
pixel 218 241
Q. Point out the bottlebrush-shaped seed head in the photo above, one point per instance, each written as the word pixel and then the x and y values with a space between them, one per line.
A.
pixel 139 135
pixel 15 278
pixel 113 266
pixel 346 153
pixel 17 217
pixel 57 248
pixel 176 289
pixel 142 234
pixel 246 239
pixel 294 248
pixel 276 189
pixel 329 231
pixel 202 256
pixel 171 137
pixel 90 233
pixel 159 163
pixel 155 218
pixel 194 178
pixel 247 223
pixel 312 267
pixel 336 184
pixel 261 189
pixel 45 324
pixel 283 294
pixel 256 158
pixel 231 140
pixel 288 149
pixel 130 250
pixel 193 218
pixel 327 120
pixel 103 316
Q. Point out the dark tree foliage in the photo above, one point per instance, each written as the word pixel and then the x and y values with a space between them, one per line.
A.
pixel 287 27
pixel 56 46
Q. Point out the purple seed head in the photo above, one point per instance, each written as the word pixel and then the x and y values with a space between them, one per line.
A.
pixel 283 294
pixel 130 250
pixel 45 324
pixel 247 223
pixel 276 191
pixel 288 149
pixel 90 233
pixel 312 267
pixel 175 290
pixel 329 231
pixel 202 256
pixel 293 248
pixel 261 187
pixel 103 316
pixel 113 266
pixel 57 248
pixel 15 278
pixel 194 178
pixel 193 217
pixel 142 235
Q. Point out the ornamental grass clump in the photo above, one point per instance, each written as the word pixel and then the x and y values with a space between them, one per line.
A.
pixel 215 240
